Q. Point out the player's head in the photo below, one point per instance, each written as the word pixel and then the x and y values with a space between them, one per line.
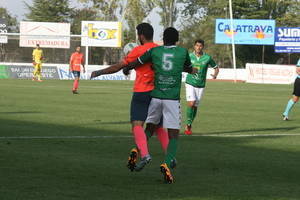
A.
pixel 198 45
pixel 171 36
pixel 77 49
pixel 37 46
pixel 145 32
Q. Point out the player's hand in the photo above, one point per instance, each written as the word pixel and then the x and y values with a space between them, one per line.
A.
pixel 213 76
pixel 34 63
pixel 126 71
pixel 95 73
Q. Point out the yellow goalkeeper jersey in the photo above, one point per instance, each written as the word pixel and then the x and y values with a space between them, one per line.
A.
pixel 37 55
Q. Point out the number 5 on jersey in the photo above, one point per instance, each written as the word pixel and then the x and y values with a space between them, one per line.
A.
pixel 167 62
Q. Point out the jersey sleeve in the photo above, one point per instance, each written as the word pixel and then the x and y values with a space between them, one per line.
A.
pixel 132 56
pixel 146 57
pixel 212 63
pixel 187 64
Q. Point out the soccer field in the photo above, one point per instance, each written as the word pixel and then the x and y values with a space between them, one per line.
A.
pixel 57 146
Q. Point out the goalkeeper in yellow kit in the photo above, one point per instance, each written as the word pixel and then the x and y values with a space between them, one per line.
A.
pixel 37 57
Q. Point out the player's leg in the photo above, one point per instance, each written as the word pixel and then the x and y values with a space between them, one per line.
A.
pixel 138 114
pixel 39 72
pixel 171 121
pixel 293 100
pixel 161 133
pixel 154 115
pixel 193 105
pixel 191 109
pixel 75 82
pixel 34 78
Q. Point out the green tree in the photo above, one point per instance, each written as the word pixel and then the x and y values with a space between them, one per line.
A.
pixel 135 12
pixel 49 11
pixel 11 22
pixel 78 15
pixel 168 11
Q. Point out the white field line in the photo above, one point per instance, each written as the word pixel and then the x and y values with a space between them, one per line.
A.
pixel 128 136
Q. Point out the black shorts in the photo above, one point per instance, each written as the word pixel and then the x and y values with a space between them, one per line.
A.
pixel 139 106
pixel 296 91
pixel 76 74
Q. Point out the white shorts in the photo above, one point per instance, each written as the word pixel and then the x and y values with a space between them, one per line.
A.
pixel 193 93
pixel 168 110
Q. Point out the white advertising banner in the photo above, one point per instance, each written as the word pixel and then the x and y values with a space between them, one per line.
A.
pixel 101 34
pixel 46 34
pixel 273 74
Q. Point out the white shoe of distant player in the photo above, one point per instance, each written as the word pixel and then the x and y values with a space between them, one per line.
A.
pixel 144 161
pixel 285 118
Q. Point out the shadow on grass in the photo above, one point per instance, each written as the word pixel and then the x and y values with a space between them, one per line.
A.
pixel 254 130
pixel 21 112
pixel 208 168
pixel 112 122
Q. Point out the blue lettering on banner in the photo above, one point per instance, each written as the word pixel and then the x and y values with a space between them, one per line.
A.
pixel 287 40
pixel 63 74
pixel 245 31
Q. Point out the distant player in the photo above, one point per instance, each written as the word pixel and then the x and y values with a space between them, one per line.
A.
pixel 143 85
pixel 296 94
pixel 195 83
pixel 37 57
pixel 76 61
pixel 169 61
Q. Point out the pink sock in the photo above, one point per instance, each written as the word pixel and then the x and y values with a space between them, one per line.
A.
pixel 163 138
pixel 76 84
pixel 140 140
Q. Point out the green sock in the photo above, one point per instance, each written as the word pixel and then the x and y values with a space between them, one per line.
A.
pixel 148 134
pixel 171 151
pixel 194 112
pixel 189 115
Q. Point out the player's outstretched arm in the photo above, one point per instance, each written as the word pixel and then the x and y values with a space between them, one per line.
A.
pixel 109 70
pixel 131 66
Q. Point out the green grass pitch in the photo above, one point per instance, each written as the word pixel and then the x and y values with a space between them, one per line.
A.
pixel 52 145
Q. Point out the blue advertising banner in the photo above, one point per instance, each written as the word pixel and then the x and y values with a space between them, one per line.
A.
pixel 287 40
pixel 245 31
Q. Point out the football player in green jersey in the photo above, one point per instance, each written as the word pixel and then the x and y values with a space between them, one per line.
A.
pixel 296 94
pixel 169 61
pixel 195 83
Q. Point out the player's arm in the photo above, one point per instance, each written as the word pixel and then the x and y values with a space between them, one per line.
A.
pixel 33 55
pixel 82 63
pixel 216 72
pixel 188 67
pixel 145 58
pixel 42 55
pixel 70 62
pixel 215 67
pixel 109 70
